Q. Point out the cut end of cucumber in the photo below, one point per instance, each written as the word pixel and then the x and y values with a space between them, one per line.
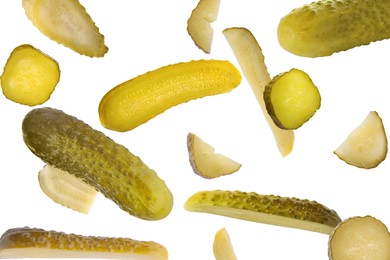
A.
pixel 366 146
pixel 291 99
pixel 360 238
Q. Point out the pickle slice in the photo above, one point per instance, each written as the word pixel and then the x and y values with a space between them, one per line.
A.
pixel 222 246
pixel 267 209
pixel 360 238
pixel 66 189
pixel 291 99
pixel 38 243
pixel 29 76
pixel 69 144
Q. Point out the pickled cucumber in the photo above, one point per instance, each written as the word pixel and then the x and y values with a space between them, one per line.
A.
pixel 39 243
pixel 267 209
pixel 291 99
pixel 328 26
pixel 69 144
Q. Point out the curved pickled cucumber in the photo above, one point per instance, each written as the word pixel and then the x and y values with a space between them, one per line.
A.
pixel 267 209
pixel 69 144
pixel 38 243
pixel 324 27
pixel 291 99
pixel 140 99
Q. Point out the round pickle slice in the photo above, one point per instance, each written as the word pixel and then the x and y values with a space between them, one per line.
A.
pixel 69 144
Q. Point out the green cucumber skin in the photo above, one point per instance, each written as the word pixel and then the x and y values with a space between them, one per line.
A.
pixel 325 27
pixel 69 144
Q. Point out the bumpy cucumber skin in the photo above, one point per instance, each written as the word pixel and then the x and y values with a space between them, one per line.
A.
pixel 71 145
pixel 325 27
pixel 271 204
pixel 39 238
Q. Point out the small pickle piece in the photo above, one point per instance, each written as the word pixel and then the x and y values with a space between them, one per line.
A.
pixel 67 23
pixel 29 76
pixel 140 99
pixel 66 189
pixel 199 23
pixel 251 59
pixel 205 162
pixel 328 26
pixel 366 146
pixel 360 238
pixel 222 247
pixel 267 209
pixel 69 144
pixel 291 99
pixel 38 243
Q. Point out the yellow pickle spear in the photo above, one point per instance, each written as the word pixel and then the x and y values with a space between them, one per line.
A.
pixel 67 143
pixel 267 209
pixel 140 99
pixel 39 243
pixel 68 23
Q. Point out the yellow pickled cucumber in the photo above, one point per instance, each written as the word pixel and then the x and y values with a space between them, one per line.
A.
pixel 39 243
pixel 222 246
pixel 67 23
pixel 328 26
pixel 267 209
pixel 29 76
pixel 360 238
pixel 140 99
pixel 69 144
pixel 291 99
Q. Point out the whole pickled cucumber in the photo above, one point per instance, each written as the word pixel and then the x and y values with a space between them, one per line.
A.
pixel 328 26
pixel 71 145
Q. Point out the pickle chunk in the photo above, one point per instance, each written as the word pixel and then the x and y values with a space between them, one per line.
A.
pixel 30 76
pixel 38 243
pixel 69 144
pixel 267 209
pixel 291 99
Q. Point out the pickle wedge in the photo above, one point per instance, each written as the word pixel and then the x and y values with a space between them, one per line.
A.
pixel 68 23
pixel 267 209
pixel 366 146
pixel 291 99
pixel 199 23
pixel 222 246
pixel 38 243
pixel 69 144
pixel 360 238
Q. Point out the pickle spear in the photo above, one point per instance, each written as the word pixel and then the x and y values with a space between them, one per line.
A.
pixel 69 144
pixel 267 209
pixel 38 243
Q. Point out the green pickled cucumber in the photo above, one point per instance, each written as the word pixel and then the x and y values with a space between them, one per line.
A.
pixel 328 26
pixel 39 243
pixel 71 145
pixel 267 209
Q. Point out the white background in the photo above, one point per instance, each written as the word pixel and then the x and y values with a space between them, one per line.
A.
pixel 145 35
